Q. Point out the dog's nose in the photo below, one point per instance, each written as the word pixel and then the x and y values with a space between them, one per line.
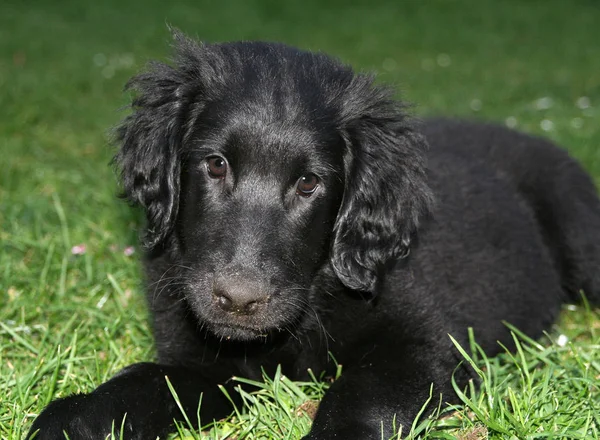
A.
pixel 241 296
pixel 235 304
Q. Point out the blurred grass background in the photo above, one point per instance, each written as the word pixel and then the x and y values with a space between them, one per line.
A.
pixel 68 322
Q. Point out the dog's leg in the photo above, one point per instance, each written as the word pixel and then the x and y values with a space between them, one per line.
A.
pixel 375 399
pixel 140 396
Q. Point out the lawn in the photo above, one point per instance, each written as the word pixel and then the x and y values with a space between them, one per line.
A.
pixel 72 311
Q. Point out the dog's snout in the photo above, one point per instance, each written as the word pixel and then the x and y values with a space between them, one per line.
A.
pixel 239 295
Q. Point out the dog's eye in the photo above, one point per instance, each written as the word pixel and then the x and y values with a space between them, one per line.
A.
pixel 307 185
pixel 216 166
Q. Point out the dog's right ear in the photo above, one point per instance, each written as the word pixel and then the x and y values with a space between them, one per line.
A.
pixel 167 101
pixel 148 157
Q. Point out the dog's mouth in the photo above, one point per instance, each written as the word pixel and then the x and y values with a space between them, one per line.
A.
pixel 231 331
pixel 268 320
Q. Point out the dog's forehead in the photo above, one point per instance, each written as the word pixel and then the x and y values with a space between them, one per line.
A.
pixel 285 142
pixel 251 133
pixel 272 131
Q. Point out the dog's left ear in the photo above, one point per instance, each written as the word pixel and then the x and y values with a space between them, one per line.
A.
pixel 386 193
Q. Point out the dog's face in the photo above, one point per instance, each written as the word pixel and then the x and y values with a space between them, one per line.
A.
pixel 259 199
pixel 260 166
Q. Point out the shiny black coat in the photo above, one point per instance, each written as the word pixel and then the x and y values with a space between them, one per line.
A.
pixel 294 210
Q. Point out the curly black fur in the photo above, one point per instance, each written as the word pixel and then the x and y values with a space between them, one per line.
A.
pixel 410 232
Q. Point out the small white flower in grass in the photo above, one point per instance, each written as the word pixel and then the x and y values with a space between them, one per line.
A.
pixel 78 249
pixel 511 122
pixel 476 104
pixel 572 307
pixel 129 251
pixel 543 103
pixel 22 328
pixel 547 125
pixel 389 64
pixel 443 60
pixel 576 123
pixel 562 340
pixel 100 59
pixel 102 301
pixel 583 102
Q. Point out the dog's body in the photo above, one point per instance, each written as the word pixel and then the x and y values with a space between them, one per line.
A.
pixel 291 216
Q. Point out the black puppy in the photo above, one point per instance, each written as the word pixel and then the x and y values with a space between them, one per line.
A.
pixel 294 211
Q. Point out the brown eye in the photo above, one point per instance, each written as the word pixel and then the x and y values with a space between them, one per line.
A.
pixel 217 167
pixel 307 185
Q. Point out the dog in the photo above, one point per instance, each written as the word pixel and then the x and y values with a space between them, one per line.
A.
pixel 296 213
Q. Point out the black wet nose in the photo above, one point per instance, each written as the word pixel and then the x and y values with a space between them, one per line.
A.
pixel 239 296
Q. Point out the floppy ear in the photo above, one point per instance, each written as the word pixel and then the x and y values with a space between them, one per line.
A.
pixel 168 100
pixel 386 192
pixel 149 156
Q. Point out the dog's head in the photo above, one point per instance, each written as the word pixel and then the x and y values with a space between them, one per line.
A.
pixel 260 165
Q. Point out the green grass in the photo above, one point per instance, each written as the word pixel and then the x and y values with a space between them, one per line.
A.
pixel 68 322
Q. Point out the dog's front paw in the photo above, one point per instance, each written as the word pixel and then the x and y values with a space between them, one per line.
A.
pixel 81 417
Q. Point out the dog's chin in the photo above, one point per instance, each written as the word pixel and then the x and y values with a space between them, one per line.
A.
pixel 242 328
